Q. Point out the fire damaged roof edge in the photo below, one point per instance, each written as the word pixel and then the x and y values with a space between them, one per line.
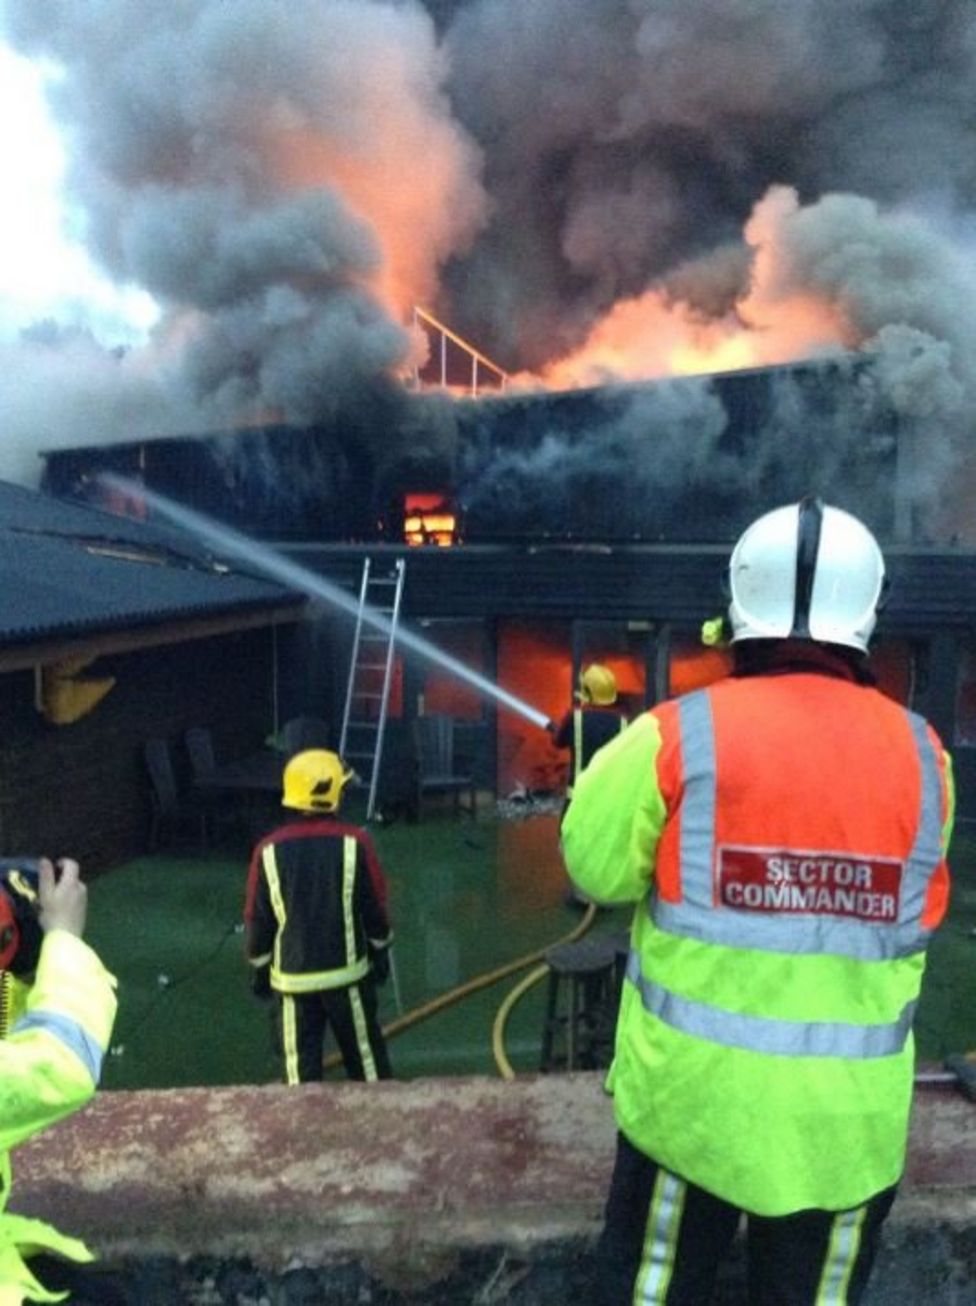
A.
pixel 68 571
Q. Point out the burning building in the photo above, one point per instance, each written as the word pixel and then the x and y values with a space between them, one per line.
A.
pixel 547 530
pixel 688 193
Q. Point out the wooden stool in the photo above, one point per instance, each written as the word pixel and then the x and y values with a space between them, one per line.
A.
pixel 579 1004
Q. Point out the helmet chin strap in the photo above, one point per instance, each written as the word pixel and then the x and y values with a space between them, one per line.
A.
pixel 809 523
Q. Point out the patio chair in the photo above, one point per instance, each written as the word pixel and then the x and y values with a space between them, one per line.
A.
pixel 302 732
pixel 218 810
pixel 438 772
pixel 169 812
pixel 200 751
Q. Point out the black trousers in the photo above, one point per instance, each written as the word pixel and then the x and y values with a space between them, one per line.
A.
pixel 301 1023
pixel 664 1239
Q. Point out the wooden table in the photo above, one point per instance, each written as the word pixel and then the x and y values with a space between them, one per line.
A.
pixel 247 790
pixel 258 773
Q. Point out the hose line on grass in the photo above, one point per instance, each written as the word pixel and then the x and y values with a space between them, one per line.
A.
pixel 474 985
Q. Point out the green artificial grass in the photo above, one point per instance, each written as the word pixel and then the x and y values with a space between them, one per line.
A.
pixel 465 898
pixel 946 1018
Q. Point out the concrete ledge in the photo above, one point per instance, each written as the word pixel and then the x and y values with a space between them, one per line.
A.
pixel 318 1171
pixel 400 1177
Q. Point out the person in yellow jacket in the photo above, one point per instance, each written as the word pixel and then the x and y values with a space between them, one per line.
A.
pixel 784 835
pixel 57 1008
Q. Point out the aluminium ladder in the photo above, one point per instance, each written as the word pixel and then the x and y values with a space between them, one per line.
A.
pixel 371 674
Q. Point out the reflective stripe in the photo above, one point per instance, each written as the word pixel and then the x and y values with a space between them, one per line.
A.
pixel 362 1035
pixel 695 916
pixel 270 864
pixel 660 1239
pixel 842 1253
pixel 314 981
pixel 68 1032
pixel 289 1040
pixel 926 852
pixel 698 808
pixel 348 885
pixel 578 765
pixel 767 1034
pixel 6 1001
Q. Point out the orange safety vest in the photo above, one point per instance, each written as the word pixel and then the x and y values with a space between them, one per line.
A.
pixel 742 764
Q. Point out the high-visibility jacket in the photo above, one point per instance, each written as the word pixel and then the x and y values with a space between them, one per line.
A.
pixel 55 1034
pixel 785 838
pixel 315 905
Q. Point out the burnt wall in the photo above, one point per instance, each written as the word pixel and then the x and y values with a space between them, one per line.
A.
pixel 82 789
pixel 279 482
pixel 686 460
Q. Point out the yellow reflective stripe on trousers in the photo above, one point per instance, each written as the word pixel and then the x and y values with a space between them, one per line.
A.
pixel 842 1253
pixel 660 1239
pixel 289 1040
pixel 348 885
pixel 362 1034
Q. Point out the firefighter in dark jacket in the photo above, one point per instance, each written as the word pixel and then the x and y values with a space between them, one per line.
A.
pixel 317 933
pixel 592 722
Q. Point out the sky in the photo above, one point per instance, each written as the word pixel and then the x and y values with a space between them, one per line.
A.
pixel 44 272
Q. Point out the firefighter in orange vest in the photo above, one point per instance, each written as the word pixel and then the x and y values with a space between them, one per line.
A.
pixel 317 933
pixel 592 722
pixel 783 834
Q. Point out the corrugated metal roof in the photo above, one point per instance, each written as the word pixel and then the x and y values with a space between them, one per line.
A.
pixel 67 569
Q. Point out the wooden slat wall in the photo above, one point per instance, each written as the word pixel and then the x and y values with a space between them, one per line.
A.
pixel 82 789
pixel 931 590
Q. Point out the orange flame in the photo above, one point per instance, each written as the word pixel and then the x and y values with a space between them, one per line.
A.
pixel 776 320
pixel 388 204
pixel 427 519
pixel 651 337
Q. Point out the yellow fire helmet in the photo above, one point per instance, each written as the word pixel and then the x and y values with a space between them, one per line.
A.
pixel 598 685
pixel 314 781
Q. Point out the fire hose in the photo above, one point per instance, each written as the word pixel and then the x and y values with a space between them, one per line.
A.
pixel 475 985
pixel 505 1010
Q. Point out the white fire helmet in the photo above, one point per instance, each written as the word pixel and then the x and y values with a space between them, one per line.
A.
pixel 809 572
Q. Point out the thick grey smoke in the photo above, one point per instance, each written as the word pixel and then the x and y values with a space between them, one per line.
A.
pixel 254 165
pixel 287 179
pixel 630 136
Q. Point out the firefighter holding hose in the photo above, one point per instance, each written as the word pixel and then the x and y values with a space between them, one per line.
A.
pixel 317 933
pixel 784 835
pixel 593 721
pixel 57 1008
